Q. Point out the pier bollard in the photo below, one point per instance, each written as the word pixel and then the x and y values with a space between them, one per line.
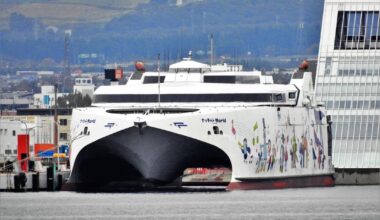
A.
pixel 23 179
pixel 19 182
pixel 36 181
pixel 50 175
pixel 60 181
pixel 16 182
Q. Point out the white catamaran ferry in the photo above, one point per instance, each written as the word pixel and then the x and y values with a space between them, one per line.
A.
pixel 147 132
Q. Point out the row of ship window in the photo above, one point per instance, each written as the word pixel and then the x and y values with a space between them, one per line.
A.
pixel 231 97
pixel 210 79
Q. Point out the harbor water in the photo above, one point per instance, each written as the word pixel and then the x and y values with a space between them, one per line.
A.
pixel 341 202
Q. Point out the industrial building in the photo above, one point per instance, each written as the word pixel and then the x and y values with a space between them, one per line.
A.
pixel 38 124
pixel 45 99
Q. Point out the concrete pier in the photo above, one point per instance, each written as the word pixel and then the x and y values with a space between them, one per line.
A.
pixel 357 176
pixel 32 181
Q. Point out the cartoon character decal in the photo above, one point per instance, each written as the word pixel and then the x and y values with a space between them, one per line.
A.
pixel 293 151
pixel 233 129
pixel 245 149
pixel 262 152
pixel 288 144
pixel 320 153
pixel 282 154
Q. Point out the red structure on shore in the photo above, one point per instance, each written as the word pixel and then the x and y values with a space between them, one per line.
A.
pixel 23 151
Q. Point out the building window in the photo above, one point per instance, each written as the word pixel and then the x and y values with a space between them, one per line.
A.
pixel 14 133
pixel 328 66
pixel 63 136
pixel 357 30
pixel 63 122
pixel 8 152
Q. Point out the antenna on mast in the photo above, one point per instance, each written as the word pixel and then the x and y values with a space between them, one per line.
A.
pixel 159 80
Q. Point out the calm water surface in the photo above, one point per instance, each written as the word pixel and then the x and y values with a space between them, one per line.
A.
pixel 354 202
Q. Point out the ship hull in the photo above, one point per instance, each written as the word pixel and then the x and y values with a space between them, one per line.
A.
pixel 264 147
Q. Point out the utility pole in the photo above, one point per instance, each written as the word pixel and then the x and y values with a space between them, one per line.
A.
pixel 159 80
pixel 56 122
pixel 212 50
pixel 55 117
pixel 66 55
pixel 66 59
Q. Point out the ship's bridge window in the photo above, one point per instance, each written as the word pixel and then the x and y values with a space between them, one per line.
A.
pixel 195 70
pixel 247 79
pixel 180 70
pixel 188 70
pixel 278 97
pixel 232 79
pixel 292 95
pixel 219 79
pixel 153 79
pixel 136 76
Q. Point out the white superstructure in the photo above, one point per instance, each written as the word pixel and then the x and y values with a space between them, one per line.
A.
pixel 348 80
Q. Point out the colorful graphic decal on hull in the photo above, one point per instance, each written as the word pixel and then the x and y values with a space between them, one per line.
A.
pixel 292 147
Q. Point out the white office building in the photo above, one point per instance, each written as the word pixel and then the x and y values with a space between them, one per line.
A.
pixel 45 99
pixel 84 86
pixel 348 80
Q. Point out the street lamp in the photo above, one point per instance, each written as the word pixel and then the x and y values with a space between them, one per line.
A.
pixel 26 125
pixel 56 145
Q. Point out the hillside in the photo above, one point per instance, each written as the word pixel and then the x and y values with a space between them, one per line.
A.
pixel 63 12
pixel 139 29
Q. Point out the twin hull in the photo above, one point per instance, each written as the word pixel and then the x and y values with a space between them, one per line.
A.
pixel 265 146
